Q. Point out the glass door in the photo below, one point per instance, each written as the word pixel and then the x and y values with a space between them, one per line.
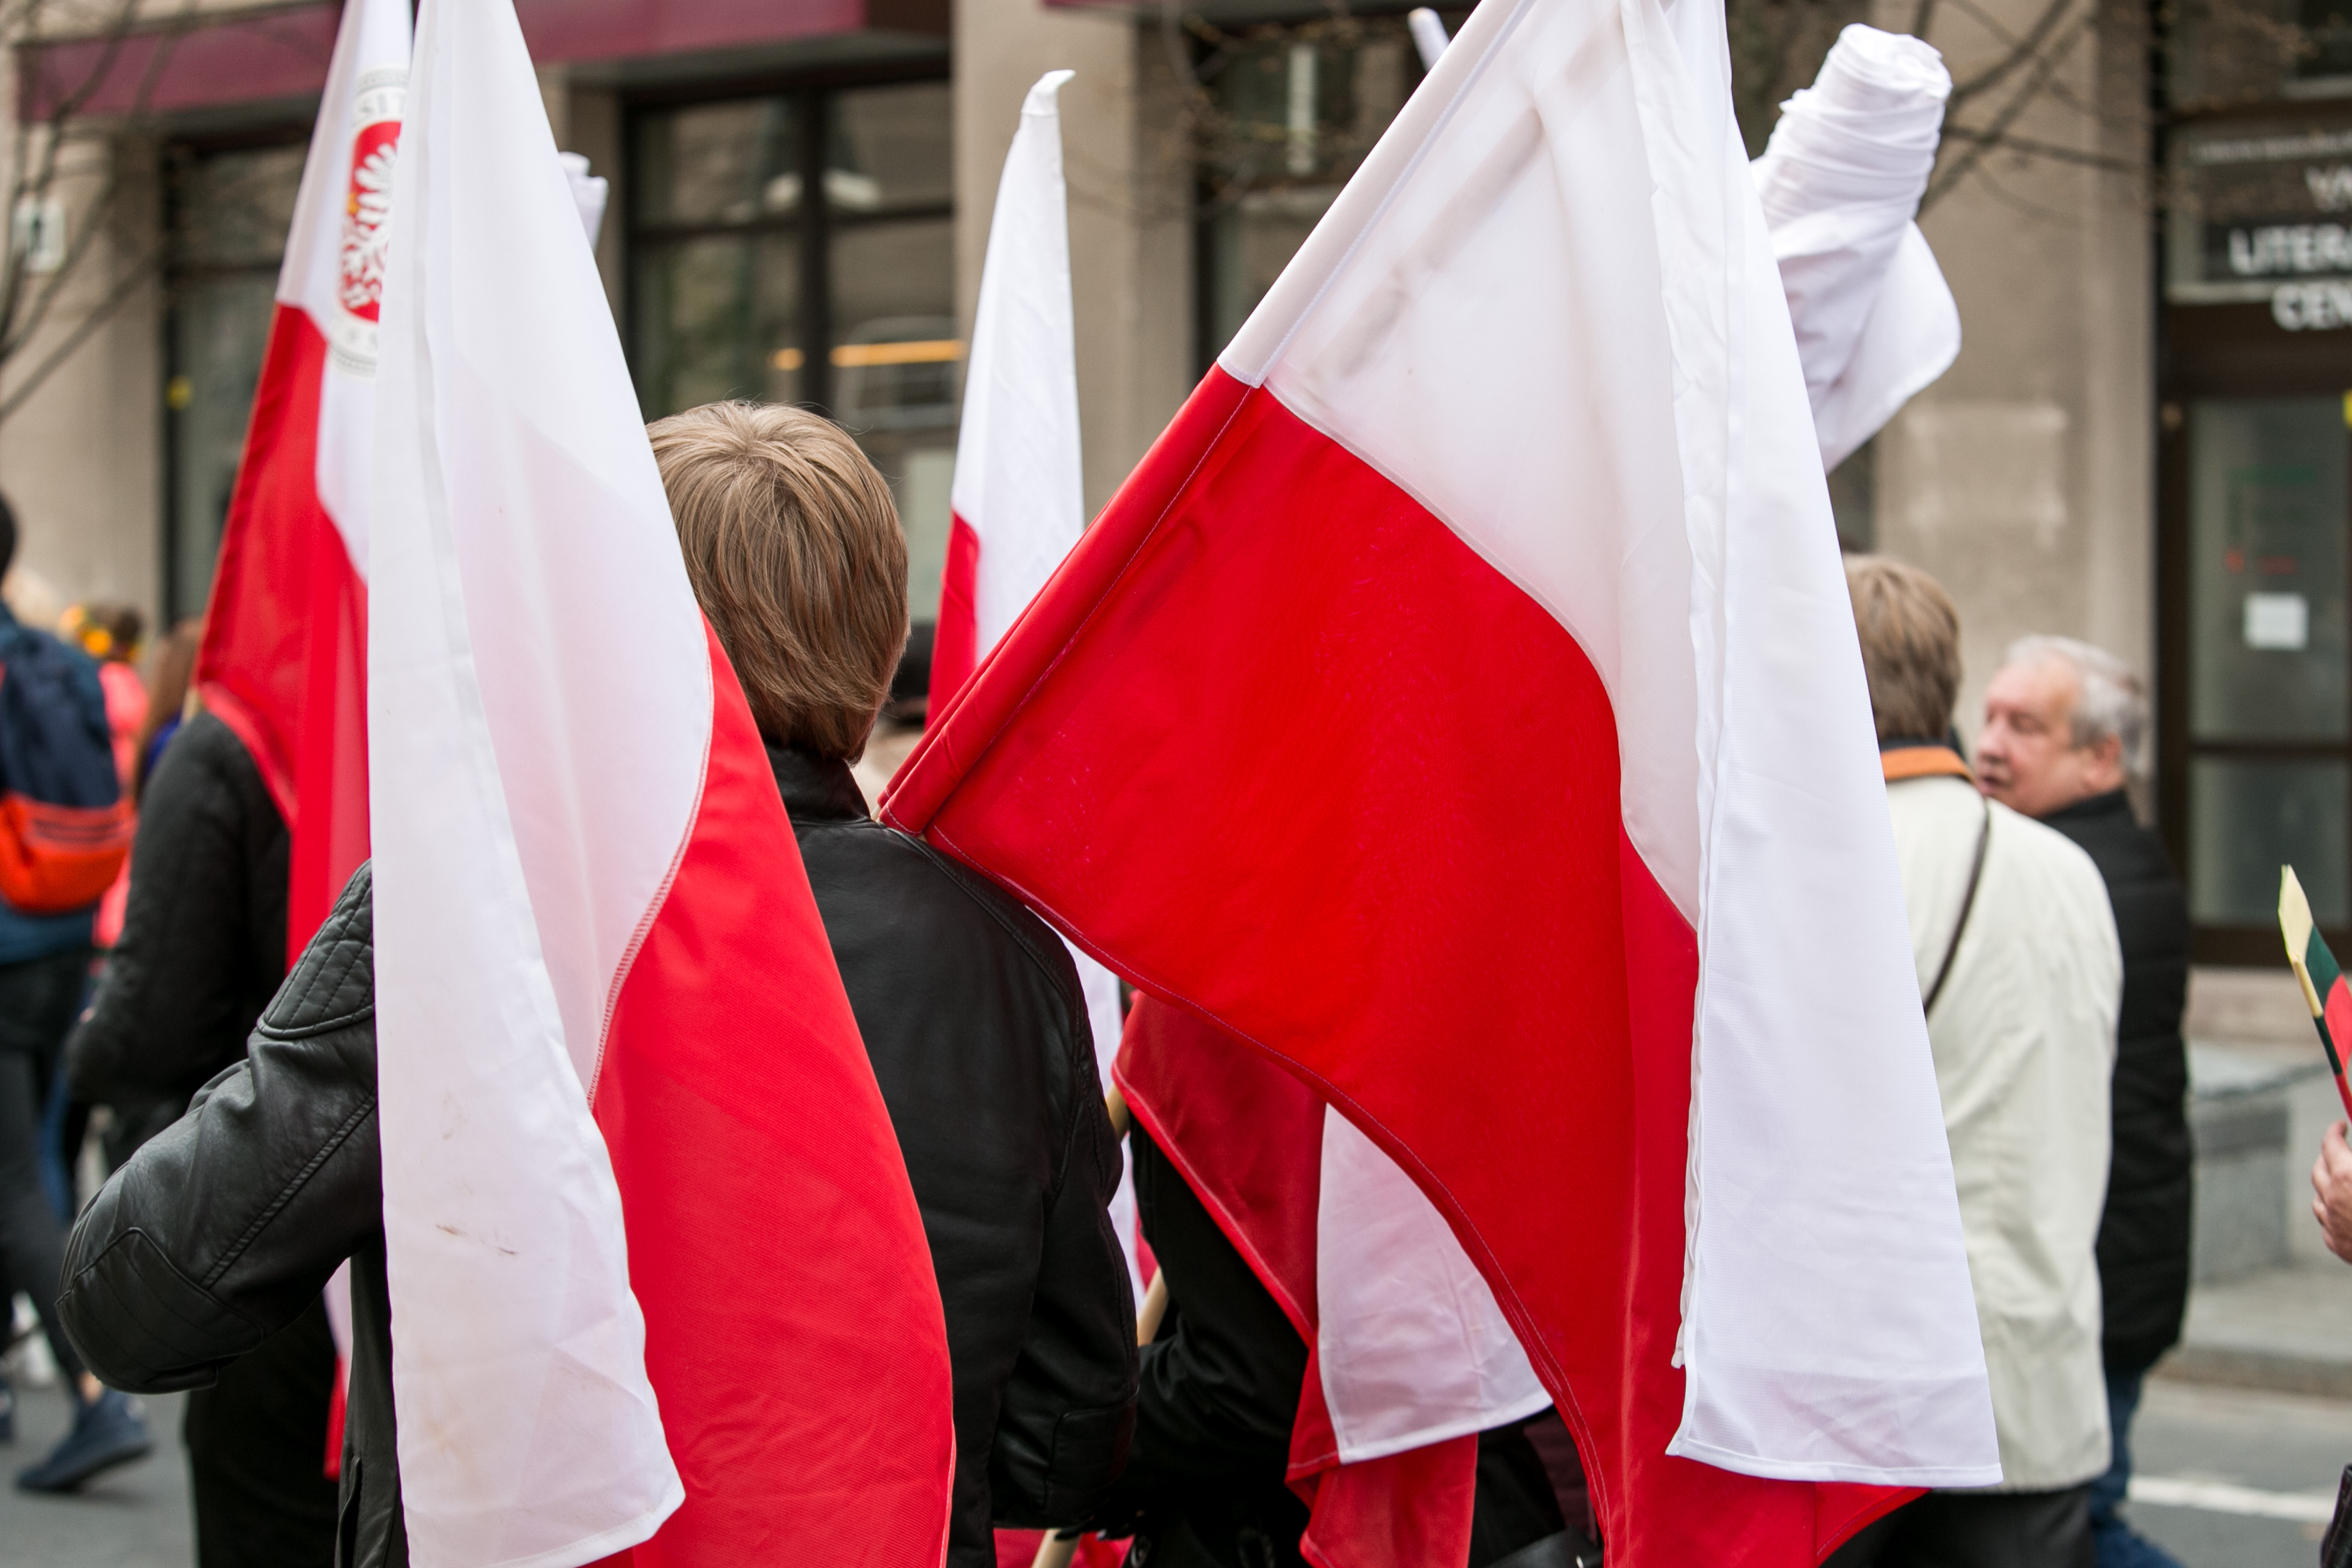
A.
pixel 2269 663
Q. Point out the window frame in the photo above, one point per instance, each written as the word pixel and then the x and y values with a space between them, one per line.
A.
pixel 813 225
pixel 177 153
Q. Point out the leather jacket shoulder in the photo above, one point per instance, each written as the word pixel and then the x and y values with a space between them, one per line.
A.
pixel 227 1225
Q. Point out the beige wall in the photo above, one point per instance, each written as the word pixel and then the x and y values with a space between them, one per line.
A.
pixel 81 460
pixel 1130 235
pixel 2023 479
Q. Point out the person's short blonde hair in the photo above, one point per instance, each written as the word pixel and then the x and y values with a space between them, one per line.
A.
pixel 1910 646
pixel 794 550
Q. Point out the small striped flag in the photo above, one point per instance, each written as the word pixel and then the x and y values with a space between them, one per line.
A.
pixel 2324 989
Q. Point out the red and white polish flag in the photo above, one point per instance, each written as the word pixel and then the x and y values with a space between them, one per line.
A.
pixel 660 1283
pixel 1461 705
pixel 284 656
pixel 1019 497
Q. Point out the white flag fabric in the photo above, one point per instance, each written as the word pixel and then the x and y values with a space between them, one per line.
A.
pixel 1841 183
pixel 529 1430
pixel 1018 498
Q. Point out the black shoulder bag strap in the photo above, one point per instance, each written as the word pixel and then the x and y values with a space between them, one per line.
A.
pixel 1967 902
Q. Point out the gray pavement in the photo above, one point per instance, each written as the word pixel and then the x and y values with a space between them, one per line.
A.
pixel 135 1517
pixel 2239 1459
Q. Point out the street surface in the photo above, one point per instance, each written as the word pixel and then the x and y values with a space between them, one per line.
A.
pixel 2246 1479
pixel 136 1517
pixel 2259 1467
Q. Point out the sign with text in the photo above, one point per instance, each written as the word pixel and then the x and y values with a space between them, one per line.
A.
pixel 2263 212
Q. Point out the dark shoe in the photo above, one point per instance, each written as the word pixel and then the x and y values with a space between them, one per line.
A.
pixel 7 1412
pixel 107 1432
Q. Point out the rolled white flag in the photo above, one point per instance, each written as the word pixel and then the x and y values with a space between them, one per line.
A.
pixel 1841 183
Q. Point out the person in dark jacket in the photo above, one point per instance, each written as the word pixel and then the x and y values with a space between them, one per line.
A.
pixel 2065 722
pixel 43 970
pixel 968 1004
pixel 201 952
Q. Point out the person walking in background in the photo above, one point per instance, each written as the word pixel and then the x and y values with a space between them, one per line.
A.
pixel 171 670
pixel 54 741
pixel 2019 971
pixel 2064 723
pixel 202 949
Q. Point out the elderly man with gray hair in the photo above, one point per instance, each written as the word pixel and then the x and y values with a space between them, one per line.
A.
pixel 2064 727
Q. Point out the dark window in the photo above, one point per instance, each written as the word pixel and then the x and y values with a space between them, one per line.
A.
pixel 229 211
pixel 750 279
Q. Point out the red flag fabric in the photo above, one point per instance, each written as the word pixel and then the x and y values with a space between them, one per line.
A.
pixel 284 658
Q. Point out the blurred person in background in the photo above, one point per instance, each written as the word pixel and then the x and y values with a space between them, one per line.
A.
pixel 2064 728
pixel 110 634
pixel 202 949
pixel 57 709
pixel 113 635
pixel 135 1117
pixel 2020 971
pixel 170 672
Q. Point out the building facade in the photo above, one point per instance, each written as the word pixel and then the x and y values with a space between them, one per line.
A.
pixel 2143 442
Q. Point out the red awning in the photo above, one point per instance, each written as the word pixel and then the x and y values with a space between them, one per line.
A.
pixel 252 57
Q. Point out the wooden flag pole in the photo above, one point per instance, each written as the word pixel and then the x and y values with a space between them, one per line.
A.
pixel 2295 925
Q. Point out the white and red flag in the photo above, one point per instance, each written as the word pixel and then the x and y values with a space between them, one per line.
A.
pixel 1460 704
pixel 1019 498
pixel 660 1282
pixel 284 656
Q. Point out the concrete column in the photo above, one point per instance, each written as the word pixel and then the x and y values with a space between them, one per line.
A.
pixel 586 119
pixel 1130 228
pixel 2023 478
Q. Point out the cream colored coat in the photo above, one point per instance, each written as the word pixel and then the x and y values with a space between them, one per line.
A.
pixel 2024 1040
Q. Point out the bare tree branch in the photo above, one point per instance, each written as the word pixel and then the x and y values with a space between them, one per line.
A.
pixel 1991 136
pixel 2022 50
pixel 15 335
pixel 125 287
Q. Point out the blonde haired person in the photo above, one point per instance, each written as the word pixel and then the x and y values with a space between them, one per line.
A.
pixel 969 1005
pixel 2018 972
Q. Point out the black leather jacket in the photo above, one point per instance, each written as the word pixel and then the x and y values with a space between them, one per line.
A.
pixel 204 933
pixel 970 1012
pixel 225 1227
